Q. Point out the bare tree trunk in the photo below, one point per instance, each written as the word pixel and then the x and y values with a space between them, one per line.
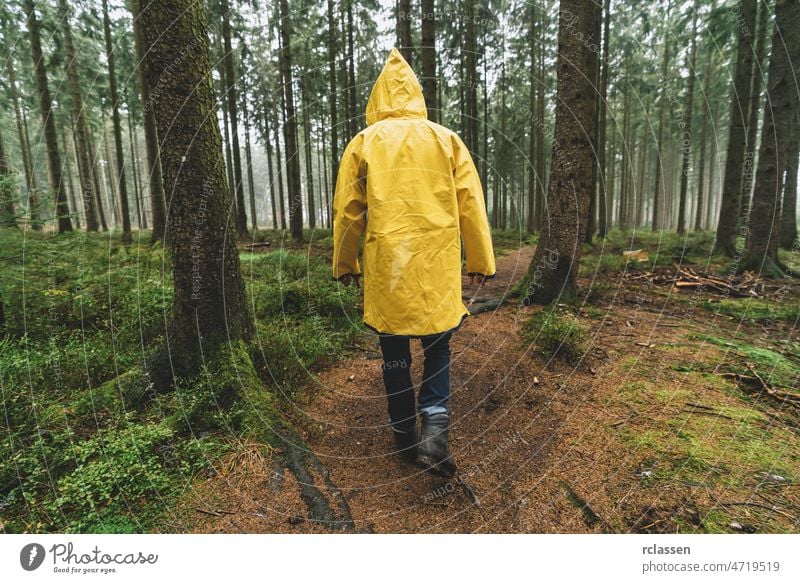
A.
pixel 661 114
pixel 233 119
pixel 83 148
pixel 759 71
pixel 8 191
pixel 428 52
pixel 158 207
pixel 602 226
pixel 312 212
pixel 686 138
pixel 267 113
pixel 701 198
pixel 554 268
pixel 403 30
pixel 761 253
pixel 333 95
pixel 290 127
pixel 727 229
pixel 471 79
pixel 788 236
pixel 351 72
pixel 112 82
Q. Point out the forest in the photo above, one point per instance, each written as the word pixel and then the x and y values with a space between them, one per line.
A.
pixel 175 355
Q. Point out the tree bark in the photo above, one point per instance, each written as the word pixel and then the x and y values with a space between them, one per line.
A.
pixel 700 209
pixel 158 208
pixel 209 308
pixel 307 152
pixel 761 253
pixel 554 268
pixel 470 80
pixel 268 138
pixel 727 228
pixel 48 120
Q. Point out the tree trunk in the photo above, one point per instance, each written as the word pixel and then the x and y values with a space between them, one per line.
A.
pixel 48 120
pixel 686 136
pixel 554 268
pixel 351 73
pixel 333 94
pixel 268 138
pixel 209 308
pixel 761 39
pixel 98 188
pixel 233 119
pixel 532 132
pixel 602 224
pixel 612 175
pixel 281 166
pixel 122 187
pixel 471 79
pixel 248 157
pixel 86 161
pixel 8 190
pixel 727 229
pixel 290 127
pixel 73 203
pixel 627 146
pixel 591 221
pixel 788 236
pixel 428 52
pixel 226 134
pixel 403 26
pixel 761 254
pixel 701 169
pixel 158 207
pixel 662 110
pixel 137 179
pixel 714 158
pixel 109 173
pixel 24 146
pixel 312 211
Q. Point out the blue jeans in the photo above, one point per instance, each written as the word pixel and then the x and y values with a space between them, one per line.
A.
pixel 435 391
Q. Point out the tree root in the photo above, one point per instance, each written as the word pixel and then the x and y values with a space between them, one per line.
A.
pixel 325 502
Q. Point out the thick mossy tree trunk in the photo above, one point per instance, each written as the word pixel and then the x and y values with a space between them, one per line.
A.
pixel 761 253
pixel 209 307
pixel 158 207
pixel 120 152
pixel 728 227
pixel 48 120
pixel 554 268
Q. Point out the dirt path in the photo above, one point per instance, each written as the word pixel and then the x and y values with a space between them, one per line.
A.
pixel 539 443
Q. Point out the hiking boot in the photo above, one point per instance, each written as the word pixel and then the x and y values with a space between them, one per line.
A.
pixel 433 452
pixel 406 441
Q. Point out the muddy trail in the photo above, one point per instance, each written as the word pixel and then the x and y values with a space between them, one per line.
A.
pixel 542 445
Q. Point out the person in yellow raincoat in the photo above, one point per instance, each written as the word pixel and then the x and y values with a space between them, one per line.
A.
pixel 411 187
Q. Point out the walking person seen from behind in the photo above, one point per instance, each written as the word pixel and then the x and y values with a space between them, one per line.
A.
pixel 412 188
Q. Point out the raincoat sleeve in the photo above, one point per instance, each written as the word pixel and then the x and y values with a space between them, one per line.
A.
pixel 349 211
pixel 474 223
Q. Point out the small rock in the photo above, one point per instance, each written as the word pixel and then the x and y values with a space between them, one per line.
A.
pixel 736 526
pixel 351 378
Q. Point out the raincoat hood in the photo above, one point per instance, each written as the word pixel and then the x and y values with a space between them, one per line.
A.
pixel 396 93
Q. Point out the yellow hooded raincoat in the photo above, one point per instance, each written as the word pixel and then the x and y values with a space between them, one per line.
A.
pixel 412 184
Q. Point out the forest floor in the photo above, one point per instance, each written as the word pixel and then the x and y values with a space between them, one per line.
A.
pixel 646 430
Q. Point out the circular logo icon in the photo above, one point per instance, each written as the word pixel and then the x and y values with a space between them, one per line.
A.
pixel 31 556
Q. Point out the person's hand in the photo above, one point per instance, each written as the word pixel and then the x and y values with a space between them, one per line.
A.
pixel 345 280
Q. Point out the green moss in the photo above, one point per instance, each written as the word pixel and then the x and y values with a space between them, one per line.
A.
pixel 556 333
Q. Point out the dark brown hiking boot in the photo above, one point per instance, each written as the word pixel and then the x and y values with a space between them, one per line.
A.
pixel 433 452
pixel 406 441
